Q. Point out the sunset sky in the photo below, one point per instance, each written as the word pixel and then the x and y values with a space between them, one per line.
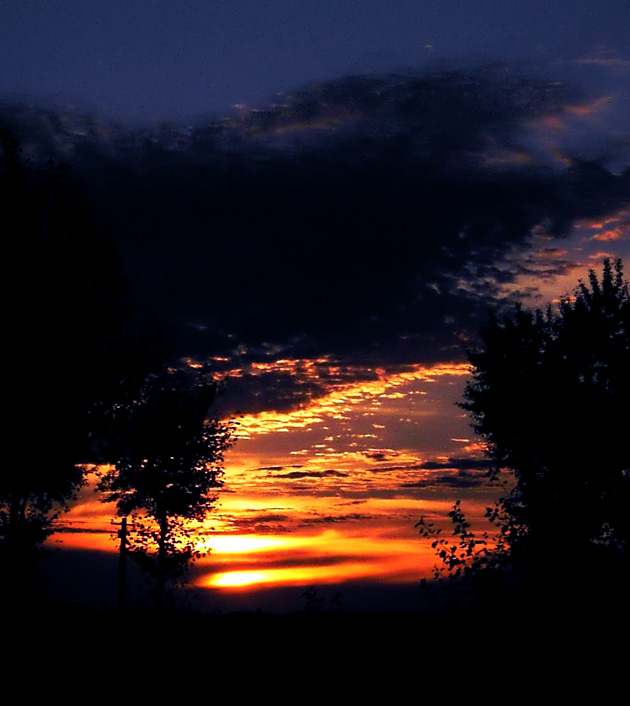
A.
pixel 326 199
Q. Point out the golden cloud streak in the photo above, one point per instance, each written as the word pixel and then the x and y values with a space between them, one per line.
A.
pixel 339 402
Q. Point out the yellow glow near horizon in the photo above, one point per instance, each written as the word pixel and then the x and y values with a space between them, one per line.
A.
pixel 236 578
pixel 293 576
pixel 253 543
pixel 401 561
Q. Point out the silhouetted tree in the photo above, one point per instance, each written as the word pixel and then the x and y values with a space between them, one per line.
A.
pixel 550 394
pixel 170 471
pixel 74 338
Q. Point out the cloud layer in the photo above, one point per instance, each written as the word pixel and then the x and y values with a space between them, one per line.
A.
pixel 368 217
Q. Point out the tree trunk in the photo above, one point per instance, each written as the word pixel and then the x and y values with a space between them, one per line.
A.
pixel 122 565
pixel 161 564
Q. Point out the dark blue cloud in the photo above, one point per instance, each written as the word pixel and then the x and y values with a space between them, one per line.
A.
pixel 340 219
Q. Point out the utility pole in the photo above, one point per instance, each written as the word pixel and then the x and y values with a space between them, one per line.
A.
pixel 122 564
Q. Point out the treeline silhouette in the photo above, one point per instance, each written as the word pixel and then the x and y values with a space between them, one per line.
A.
pixel 91 386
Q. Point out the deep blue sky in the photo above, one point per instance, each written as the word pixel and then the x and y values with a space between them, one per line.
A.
pixel 176 58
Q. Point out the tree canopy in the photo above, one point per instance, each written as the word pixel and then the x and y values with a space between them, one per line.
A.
pixel 170 469
pixel 75 339
pixel 550 394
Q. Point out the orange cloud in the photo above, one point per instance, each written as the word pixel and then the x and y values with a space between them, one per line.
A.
pixel 615 226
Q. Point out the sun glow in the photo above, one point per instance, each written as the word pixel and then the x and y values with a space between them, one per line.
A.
pixel 293 576
pixel 234 579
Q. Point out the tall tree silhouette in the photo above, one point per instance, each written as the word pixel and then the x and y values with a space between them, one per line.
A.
pixel 550 394
pixel 170 470
pixel 75 339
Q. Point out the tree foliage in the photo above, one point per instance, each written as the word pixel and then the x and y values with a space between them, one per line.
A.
pixel 550 395
pixel 76 343
pixel 170 469
pixel 475 561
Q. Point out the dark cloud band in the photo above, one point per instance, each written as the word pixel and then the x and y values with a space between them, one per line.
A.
pixel 341 220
